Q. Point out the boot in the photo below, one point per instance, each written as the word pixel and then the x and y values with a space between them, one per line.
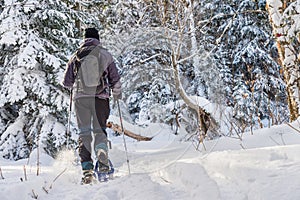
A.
pixel 88 176
pixel 103 164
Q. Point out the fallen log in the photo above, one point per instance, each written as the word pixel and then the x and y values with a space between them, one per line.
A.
pixel 117 128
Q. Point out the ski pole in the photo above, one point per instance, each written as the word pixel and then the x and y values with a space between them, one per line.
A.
pixel 122 127
pixel 69 118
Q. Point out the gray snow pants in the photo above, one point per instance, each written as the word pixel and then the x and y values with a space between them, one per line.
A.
pixel 92 114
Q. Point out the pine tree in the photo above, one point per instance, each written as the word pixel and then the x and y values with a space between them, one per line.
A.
pixel 246 57
pixel 37 38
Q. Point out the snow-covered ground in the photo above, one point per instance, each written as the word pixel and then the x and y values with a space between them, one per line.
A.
pixel 265 165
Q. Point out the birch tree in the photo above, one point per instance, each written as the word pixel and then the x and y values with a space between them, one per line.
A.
pixel 285 19
pixel 177 22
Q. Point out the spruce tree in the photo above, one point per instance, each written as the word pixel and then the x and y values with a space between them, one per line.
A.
pixel 37 37
pixel 240 37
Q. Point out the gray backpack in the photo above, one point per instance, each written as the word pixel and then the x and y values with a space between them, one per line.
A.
pixel 89 70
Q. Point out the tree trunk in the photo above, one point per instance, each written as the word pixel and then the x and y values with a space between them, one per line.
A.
pixel 194 44
pixel 287 53
pixel 203 116
pixel 117 128
pixel 77 21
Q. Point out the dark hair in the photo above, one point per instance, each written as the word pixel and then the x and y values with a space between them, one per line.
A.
pixel 91 33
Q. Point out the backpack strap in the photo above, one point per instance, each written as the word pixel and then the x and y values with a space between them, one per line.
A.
pixel 80 53
pixel 84 51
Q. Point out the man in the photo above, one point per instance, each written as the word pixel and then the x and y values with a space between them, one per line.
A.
pixel 92 99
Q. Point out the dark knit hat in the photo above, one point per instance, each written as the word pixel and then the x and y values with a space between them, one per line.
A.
pixel 91 33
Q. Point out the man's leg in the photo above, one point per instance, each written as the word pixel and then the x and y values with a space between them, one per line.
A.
pixel 99 124
pixel 83 114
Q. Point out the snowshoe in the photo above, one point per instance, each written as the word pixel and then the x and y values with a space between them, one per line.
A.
pixel 88 177
pixel 104 172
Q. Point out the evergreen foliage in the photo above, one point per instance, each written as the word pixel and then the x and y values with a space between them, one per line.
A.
pixel 246 55
pixel 36 38
pixel 236 59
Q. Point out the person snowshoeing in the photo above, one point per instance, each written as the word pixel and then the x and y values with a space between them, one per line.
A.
pixel 92 75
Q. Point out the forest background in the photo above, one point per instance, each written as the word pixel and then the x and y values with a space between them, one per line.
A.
pixel 240 55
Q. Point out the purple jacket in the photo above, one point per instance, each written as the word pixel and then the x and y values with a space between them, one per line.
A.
pixel 110 74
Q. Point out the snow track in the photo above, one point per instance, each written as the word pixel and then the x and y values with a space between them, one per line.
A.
pixel 166 169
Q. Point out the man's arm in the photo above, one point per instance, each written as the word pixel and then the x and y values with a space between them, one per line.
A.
pixel 114 81
pixel 69 76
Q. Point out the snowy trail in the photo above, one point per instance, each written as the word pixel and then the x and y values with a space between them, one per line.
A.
pixel 166 169
pixel 147 185
pixel 263 173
